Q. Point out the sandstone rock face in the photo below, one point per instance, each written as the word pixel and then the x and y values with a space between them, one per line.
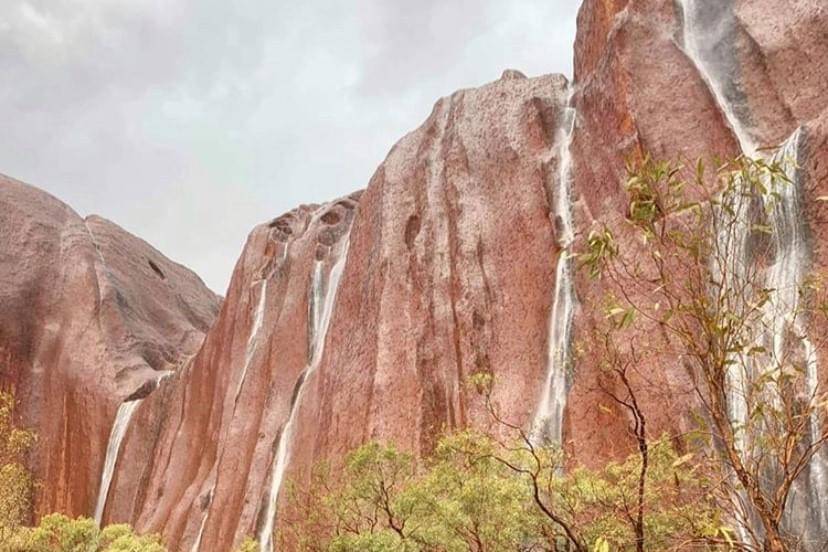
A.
pixel 451 272
pixel 688 79
pixel 211 435
pixel 450 267
pixel 637 92
pixel 88 315
pixel 362 318
pixel 680 80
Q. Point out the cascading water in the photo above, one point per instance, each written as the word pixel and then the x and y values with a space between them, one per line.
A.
pixel 253 339
pixel 116 437
pixel 316 307
pixel 250 350
pixel 548 423
pixel 784 317
pixel 730 270
pixel 322 302
pixel 709 27
pixel 818 472
pixel 203 526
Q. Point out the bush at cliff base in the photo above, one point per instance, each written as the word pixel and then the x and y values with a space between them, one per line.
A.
pixel 473 494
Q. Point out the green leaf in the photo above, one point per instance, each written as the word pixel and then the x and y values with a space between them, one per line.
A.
pixel 683 460
pixel 601 545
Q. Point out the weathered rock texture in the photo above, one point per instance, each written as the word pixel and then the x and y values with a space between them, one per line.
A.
pixel 639 91
pixel 450 258
pixel 211 437
pixel 88 315
pixel 361 319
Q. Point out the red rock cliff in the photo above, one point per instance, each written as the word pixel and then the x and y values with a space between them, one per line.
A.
pixel 360 319
pixel 683 80
pixel 88 316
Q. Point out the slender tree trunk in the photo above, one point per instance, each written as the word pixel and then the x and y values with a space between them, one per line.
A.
pixel 774 543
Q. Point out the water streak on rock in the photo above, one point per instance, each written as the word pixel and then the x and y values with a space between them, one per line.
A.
pixel 548 423
pixel 116 437
pixel 322 302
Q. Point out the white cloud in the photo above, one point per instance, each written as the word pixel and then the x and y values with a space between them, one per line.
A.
pixel 189 121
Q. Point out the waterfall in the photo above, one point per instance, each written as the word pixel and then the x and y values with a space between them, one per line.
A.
pixel 253 339
pixel 322 302
pixel 316 307
pixel 548 423
pixel 709 26
pixel 116 437
pixel 732 245
pixel 786 276
pixel 818 469
pixel 206 507
pixel 730 267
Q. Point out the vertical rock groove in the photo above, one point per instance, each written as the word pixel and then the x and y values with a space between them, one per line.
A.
pixel 323 301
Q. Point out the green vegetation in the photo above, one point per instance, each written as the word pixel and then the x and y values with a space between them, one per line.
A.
pixel 690 289
pixel 478 494
pixel 15 480
pixel 249 545
pixel 709 281
pixel 58 533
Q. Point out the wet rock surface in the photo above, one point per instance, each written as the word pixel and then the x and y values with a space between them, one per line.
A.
pixel 362 318
pixel 85 321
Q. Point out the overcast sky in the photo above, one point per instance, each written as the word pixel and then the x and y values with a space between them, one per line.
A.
pixel 188 122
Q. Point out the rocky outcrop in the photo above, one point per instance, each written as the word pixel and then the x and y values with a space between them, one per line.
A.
pixel 88 315
pixel 363 318
pixel 451 271
pixel 448 267
pixel 718 86
pixel 212 435
pixel 681 80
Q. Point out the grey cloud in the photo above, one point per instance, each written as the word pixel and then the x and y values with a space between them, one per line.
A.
pixel 189 121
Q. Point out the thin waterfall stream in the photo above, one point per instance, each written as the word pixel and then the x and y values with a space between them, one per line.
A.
pixel 253 340
pixel 322 302
pixel 548 423
pixel 116 437
pixel 784 317
pixel 708 26
pixel 252 346
pixel 205 515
